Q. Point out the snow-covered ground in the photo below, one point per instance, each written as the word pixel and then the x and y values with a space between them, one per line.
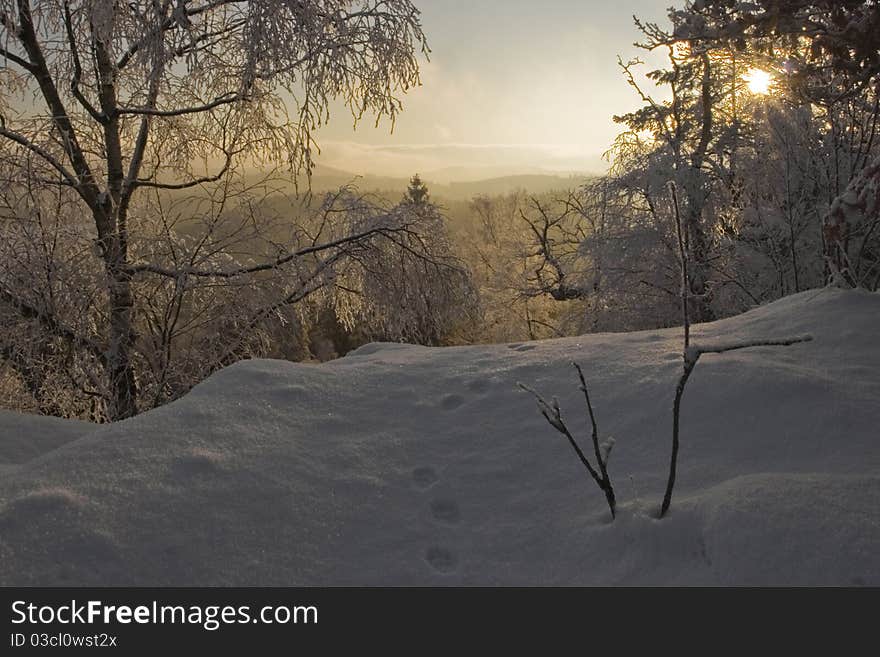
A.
pixel 408 465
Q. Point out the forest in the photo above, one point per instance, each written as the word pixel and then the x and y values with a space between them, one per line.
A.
pixel 158 223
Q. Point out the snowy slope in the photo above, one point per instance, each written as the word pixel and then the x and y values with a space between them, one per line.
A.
pixel 408 465
pixel 25 437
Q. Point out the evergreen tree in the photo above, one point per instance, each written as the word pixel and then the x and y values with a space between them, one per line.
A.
pixel 417 192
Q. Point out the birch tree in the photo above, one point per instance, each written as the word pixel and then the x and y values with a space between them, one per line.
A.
pixel 109 103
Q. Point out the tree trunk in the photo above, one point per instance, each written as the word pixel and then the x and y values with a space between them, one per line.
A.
pixel 120 366
pixel 700 305
pixel 700 297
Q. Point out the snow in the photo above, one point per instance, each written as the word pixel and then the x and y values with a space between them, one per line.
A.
pixel 405 465
pixel 25 437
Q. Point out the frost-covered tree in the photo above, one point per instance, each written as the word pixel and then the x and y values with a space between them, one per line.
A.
pixel 830 53
pixel 522 252
pixel 414 288
pixel 417 192
pixel 694 133
pixel 776 188
pixel 117 106
pixel 842 34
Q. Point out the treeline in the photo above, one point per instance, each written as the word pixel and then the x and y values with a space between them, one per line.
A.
pixel 136 257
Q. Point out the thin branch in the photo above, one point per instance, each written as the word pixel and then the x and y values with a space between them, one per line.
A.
pixel 196 109
pixel 12 57
pixel 77 68
pixel 681 234
pixel 205 180
pixel 43 153
pixel 691 357
pixel 601 459
pixel 695 352
pixel 553 415
pixel 266 266
pixel 87 187
pixel 29 311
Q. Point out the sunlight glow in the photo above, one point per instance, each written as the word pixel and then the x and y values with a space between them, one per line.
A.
pixel 681 49
pixel 759 81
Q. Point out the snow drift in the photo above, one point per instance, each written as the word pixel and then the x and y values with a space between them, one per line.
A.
pixel 407 465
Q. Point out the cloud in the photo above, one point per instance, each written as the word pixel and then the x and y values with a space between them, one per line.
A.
pixel 493 158
pixel 443 131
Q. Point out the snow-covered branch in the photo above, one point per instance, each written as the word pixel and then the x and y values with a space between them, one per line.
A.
pixel 693 353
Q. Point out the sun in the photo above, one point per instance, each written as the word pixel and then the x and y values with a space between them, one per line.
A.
pixel 759 81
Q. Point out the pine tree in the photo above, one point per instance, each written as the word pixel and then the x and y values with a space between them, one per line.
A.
pixel 417 192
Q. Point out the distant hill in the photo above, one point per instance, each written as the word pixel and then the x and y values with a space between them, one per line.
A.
pixel 533 183
pixel 472 173
pixel 325 178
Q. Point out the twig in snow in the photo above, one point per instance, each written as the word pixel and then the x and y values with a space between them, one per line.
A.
pixel 553 414
pixel 683 236
pixel 691 357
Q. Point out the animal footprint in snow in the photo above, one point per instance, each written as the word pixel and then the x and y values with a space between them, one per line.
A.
pixel 451 402
pixel 478 385
pixel 441 559
pixel 445 511
pixel 425 476
pixel 197 463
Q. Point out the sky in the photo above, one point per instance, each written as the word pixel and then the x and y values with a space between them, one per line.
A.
pixel 512 86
